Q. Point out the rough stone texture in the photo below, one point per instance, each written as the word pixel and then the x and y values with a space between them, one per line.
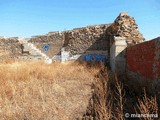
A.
pixel 144 59
pixel 9 48
pixel 91 38
pixel 125 26
pixel 78 41
pixel 55 40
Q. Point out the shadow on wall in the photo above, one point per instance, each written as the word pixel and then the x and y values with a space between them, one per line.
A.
pixel 86 44
pixel 89 43
pixel 93 43
pixel 143 66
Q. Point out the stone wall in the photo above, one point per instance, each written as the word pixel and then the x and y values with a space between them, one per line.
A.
pixel 90 38
pixel 144 60
pixel 9 48
pixel 125 26
pixel 54 40
pixel 121 34
pixel 78 42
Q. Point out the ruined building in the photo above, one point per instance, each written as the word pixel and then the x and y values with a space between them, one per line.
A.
pixel 87 43
pixel 98 42
pixel 106 42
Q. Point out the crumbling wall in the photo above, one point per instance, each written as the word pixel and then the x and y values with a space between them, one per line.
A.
pixel 90 38
pixel 121 34
pixel 79 41
pixel 54 40
pixel 9 48
pixel 125 26
pixel 144 59
pixel 95 39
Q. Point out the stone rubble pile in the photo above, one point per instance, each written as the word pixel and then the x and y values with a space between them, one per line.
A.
pixel 125 26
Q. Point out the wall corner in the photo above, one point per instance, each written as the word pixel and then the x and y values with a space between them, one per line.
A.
pixel 118 55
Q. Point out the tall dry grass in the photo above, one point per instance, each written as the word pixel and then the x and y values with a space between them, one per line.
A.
pixel 20 71
pixel 110 100
pixel 35 90
pixel 148 105
pixel 38 91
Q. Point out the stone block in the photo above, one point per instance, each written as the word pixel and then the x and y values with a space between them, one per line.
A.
pixel 123 13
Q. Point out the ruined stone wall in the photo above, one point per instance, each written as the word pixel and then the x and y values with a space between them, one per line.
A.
pixel 144 60
pixel 90 38
pixel 76 41
pixel 125 26
pixel 9 48
pixel 54 40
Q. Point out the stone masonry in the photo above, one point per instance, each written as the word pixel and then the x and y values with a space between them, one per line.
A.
pixel 125 26
pixel 90 38
pixel 96 41
pixel 54 40
pixel 9 48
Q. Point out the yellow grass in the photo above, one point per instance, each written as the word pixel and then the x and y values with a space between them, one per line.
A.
pixel 20 71
pixel 38 91
pixel 35 90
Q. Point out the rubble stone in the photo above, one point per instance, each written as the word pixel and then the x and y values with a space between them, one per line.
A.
pixel 125 26
pixel 9 48
pixel 80 40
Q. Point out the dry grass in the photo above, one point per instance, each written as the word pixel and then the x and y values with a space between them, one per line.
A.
pixel 110 101
pixel 148 106
pixel 38 91
pixel 20 71
pixel 34 91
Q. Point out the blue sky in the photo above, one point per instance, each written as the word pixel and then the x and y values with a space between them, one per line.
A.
pixel 25 18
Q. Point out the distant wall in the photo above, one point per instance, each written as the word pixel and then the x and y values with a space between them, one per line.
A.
pixel 144 59
pixel 9 48
pixel 54 40
pixel 90 38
